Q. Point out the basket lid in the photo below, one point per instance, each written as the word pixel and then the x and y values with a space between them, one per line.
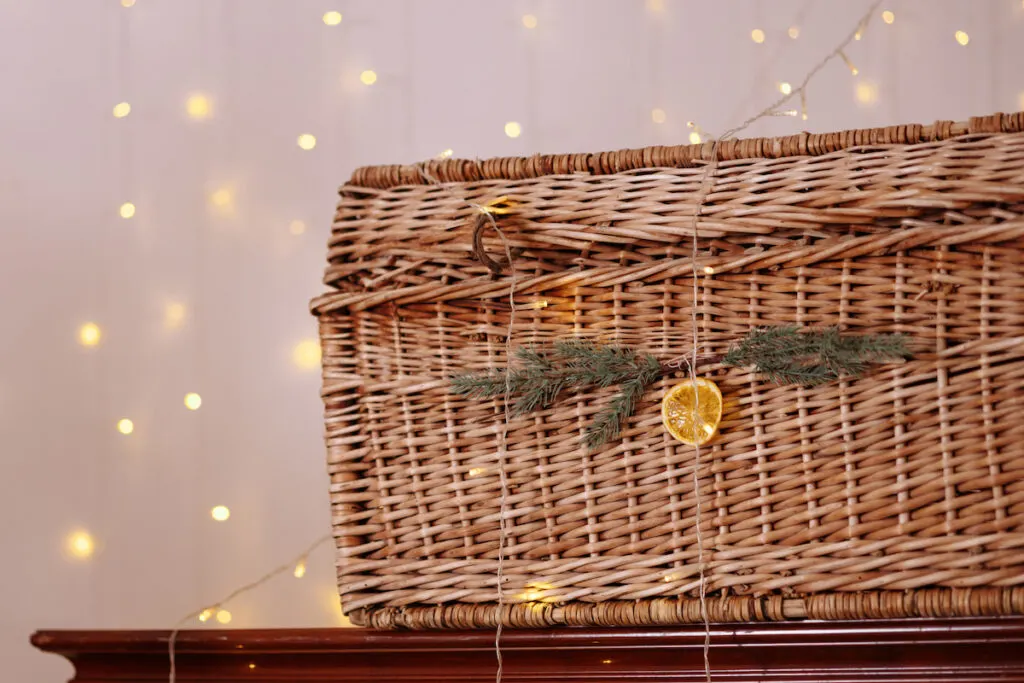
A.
pixel 402 232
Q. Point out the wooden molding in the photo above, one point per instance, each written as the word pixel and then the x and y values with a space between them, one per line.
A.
pixel 932 651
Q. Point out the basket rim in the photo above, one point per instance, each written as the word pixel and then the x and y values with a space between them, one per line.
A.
pixel 452 170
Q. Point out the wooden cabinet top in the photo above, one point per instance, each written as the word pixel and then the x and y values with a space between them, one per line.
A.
pixel 962 650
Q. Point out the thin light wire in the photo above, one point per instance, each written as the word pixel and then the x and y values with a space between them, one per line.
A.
pixel 706 184
pixel 127 92
pixel 767 66
pixel 234 594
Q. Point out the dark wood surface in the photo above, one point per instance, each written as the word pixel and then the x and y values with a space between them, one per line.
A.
pixel 963 650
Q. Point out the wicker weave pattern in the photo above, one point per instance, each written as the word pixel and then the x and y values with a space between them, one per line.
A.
pixel 829 500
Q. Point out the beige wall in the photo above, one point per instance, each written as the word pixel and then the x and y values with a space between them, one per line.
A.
pixel 451 73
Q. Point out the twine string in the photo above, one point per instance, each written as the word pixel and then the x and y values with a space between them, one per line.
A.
pixel 502 445
pixel 704 189
pixel 484 219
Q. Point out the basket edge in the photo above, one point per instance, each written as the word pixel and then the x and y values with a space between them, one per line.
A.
pixel 911 604
pixel 678 156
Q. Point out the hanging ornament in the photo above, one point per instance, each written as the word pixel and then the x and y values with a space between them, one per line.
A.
pixel 692 410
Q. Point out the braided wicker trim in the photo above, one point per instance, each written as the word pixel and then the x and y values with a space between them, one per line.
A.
pixel 928 603
pixel 679 156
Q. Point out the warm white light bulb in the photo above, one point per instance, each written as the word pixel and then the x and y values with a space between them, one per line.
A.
pixel 125 426
pixel 794 32
pixel 785 88
pixel 122 109
pixel 658 115
pixel 127 210
pixel 888 17
pixel 222 199
pixel 89 334
pixel 220 513
pixel 757 35
pixel 174 315
pixel 80 544
pixel 197 106
pixel 513 129
pixel 307 141
pixel 332 18
pixel 224 616
pixel 300 569
pixel 193 401
pixel 694 138
pixel 368 77
pixel 127 3
pixel 306 354
pixel 297 227
pixel 529 21
pixel 867 92
pixel 962 37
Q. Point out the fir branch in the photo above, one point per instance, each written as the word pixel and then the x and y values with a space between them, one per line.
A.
pixel 486 384
pixel 574 364
pixel 587 363
pixel 797 373
pixel 785 355
pixel 608 423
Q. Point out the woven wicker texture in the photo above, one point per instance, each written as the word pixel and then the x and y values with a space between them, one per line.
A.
pixel 898 494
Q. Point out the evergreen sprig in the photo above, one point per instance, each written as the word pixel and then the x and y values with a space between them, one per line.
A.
pixel 785 355
pixel 543 374
pixel 608 423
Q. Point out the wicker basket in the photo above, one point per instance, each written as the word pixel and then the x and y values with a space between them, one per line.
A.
pixel 899 494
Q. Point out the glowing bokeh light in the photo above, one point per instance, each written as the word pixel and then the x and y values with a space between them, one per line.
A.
pixel 89 334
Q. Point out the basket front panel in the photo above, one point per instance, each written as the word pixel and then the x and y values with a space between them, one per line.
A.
pixel 910 477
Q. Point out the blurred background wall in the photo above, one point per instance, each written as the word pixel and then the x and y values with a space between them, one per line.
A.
pixel 186 116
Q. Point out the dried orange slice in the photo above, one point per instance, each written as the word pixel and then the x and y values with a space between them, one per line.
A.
pixel 692 416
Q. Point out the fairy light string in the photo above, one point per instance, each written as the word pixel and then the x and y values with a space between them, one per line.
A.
pixel 212 607
pixel 705 186
pixel 775 48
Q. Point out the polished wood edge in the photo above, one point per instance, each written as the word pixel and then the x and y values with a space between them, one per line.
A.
pixel 960 650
